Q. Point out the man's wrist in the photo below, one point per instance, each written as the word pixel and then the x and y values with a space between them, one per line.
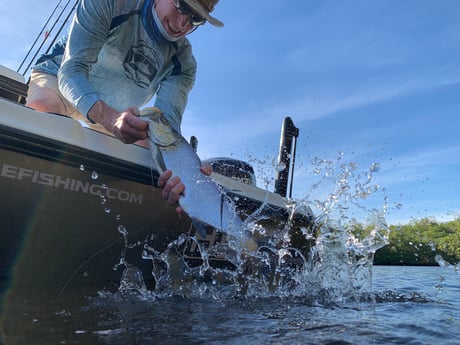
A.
pixel 101 113
pixel 94 112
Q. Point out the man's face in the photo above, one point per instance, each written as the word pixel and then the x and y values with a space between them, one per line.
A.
pixel 175 23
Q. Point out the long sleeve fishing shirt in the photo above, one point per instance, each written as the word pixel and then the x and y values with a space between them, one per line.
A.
pixel 115 52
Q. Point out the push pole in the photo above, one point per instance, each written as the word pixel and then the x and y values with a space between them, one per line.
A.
pixel 286 158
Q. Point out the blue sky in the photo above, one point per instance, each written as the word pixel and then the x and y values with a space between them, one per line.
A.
pixel 365 81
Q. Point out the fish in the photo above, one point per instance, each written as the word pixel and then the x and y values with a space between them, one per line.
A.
pixel 203 200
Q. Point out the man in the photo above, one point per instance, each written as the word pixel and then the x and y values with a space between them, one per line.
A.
pixel 117 55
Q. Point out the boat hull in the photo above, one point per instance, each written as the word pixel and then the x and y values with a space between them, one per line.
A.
pixel 60 226
pixel 75 203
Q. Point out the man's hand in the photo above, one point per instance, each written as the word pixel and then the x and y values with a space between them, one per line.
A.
pixel 126 126
pixel 129 127
pixel 173 187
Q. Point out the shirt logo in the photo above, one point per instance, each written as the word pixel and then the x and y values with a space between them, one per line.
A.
pixel 141 64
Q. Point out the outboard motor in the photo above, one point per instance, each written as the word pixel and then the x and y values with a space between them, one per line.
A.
pixel 233 168
pixel 286 158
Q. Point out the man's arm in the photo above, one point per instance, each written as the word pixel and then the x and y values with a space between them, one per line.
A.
pixel 87 35
pixel 173 92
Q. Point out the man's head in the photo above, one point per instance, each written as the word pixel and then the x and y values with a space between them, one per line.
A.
pixel 180 17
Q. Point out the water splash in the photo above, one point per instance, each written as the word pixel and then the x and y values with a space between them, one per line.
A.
pixel 337 268
pixel 132 280
pixel 349 231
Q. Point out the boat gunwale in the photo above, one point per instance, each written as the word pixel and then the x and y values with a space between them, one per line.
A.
pixel 99 151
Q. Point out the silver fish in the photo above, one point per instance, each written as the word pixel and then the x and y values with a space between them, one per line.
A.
pixel 203 199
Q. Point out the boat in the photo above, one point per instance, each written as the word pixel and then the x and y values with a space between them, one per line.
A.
pixel 76 204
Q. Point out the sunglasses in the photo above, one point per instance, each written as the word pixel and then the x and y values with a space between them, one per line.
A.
pixel 183 8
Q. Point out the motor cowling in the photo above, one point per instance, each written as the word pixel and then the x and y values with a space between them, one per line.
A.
pixel 233 168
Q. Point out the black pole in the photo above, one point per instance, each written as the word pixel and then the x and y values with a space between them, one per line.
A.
pixel 293 152
pixel 32 60
pixel 38 37
pixel 64 23
pixel 194 142
pixel 289 134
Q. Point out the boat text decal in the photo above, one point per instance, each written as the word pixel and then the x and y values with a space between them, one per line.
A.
pixel 56 181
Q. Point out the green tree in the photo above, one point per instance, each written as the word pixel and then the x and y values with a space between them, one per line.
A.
pixel 419 243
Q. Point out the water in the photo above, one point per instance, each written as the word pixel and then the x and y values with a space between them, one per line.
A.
pixel 410 305
pixel 332 296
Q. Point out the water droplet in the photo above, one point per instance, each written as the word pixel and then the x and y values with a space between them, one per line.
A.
pixel 375 167
pixel 94 175
pixel 107 210
pixel 281 167
pixel 117 217
pixel 340 156
pixel 122 229
pixel 82 167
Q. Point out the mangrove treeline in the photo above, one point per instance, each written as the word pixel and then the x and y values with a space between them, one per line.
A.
pixel 421 242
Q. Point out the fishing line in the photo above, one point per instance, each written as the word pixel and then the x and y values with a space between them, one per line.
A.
pixel 38 36
pixel 133 231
